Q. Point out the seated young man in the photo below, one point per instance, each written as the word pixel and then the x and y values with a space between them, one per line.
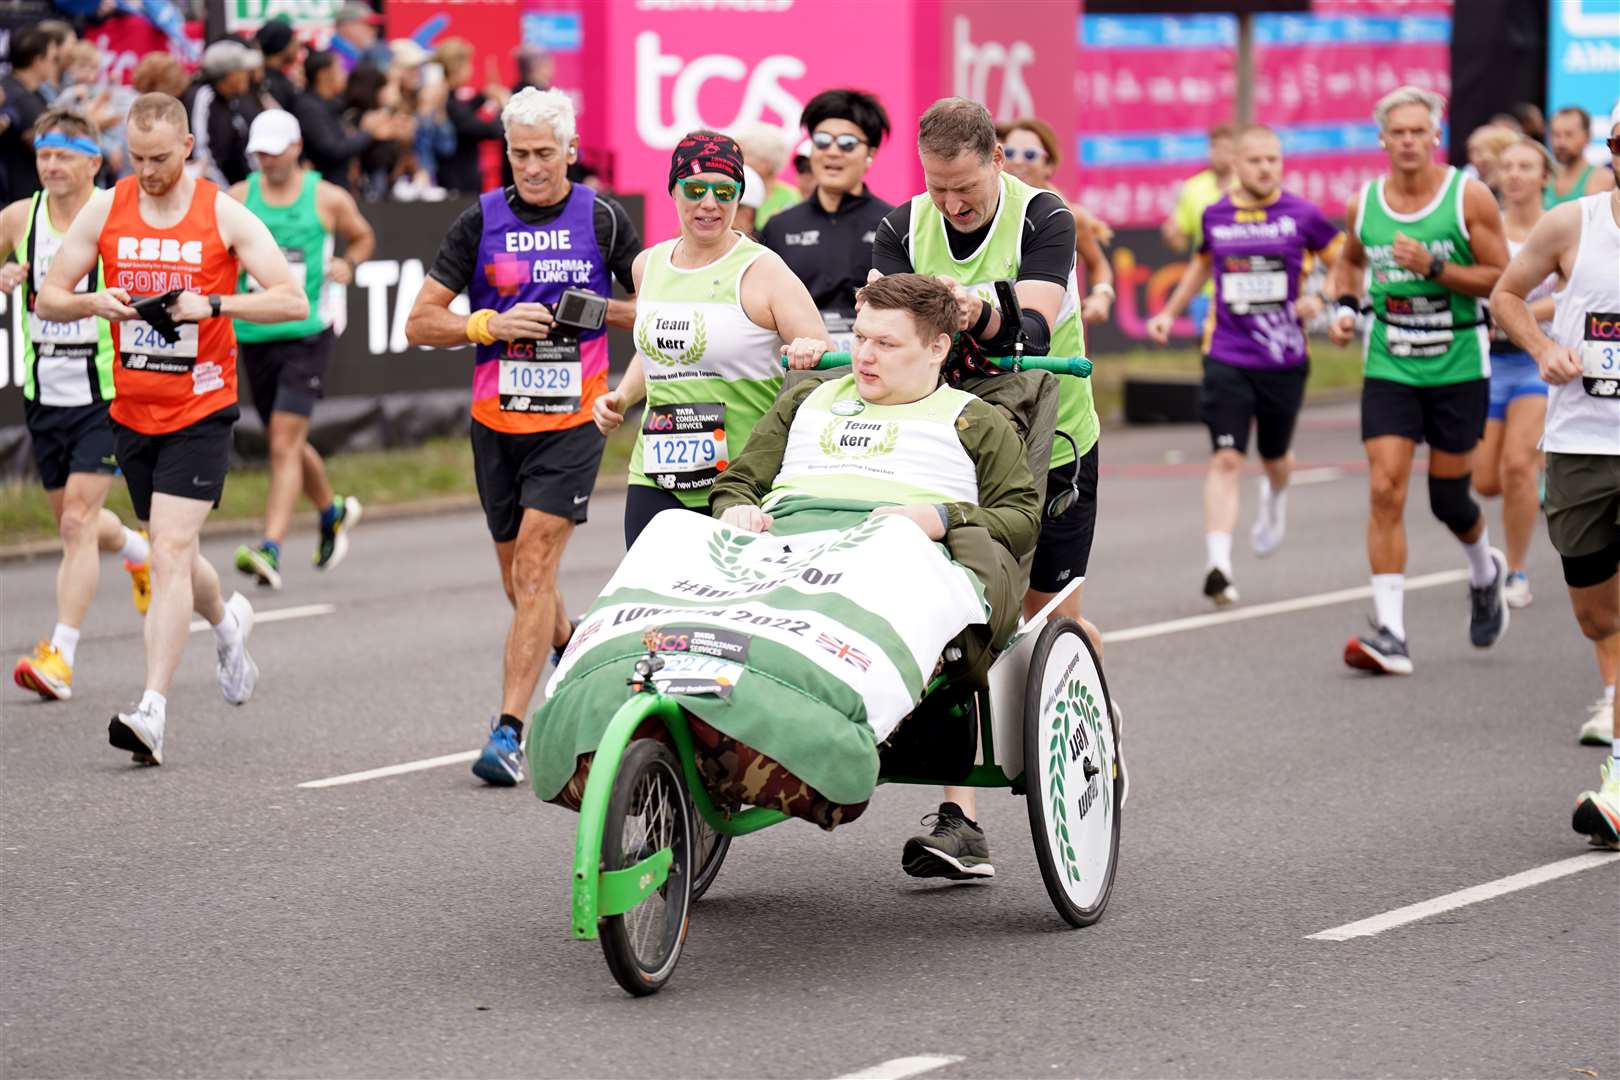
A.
pixel 898 510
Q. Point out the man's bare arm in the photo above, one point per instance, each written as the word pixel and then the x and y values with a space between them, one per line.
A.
pixel 282 298
pixel 1486 239
pixel 359 238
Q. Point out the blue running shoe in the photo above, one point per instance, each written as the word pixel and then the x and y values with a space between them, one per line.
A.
pixel 501 763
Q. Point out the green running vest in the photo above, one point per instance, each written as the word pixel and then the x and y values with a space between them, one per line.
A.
pixel 304 240
pixel 64 364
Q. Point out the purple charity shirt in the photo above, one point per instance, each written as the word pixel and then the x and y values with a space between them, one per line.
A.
pixel 1255 255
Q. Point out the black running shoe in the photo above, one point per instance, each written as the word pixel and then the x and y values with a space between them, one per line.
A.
pixel 1487 607
pixel 1382 654
pixel 954 848
pixel 1218 588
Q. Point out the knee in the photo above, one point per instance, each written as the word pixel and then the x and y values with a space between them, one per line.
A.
pixel 78 525
pixel 1519 471
pixel 534 574
pixel 1387 494
pixel 172 554
pixel 1451 503
pixel 1597 625
pixel 1226 463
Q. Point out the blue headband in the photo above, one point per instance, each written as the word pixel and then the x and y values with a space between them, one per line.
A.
pixel 57 140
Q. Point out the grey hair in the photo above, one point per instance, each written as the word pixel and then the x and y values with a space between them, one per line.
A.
pixel 533 107
pixel 1410 95
pixel 764 142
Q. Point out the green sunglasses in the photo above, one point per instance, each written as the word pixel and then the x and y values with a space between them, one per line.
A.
pixel 725 191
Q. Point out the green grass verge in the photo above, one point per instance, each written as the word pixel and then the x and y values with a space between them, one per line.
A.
pixel 444 466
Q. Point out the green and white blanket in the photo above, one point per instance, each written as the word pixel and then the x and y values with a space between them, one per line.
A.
pixel 809 644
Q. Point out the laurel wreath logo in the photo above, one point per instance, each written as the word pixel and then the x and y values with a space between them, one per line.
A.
pixel 725 549
pixel 1077 706
pixel 830 447
pixel 694 351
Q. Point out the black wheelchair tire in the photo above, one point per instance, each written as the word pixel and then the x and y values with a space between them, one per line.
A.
pixel 647 772
pixel 1037 741
pixel 709 869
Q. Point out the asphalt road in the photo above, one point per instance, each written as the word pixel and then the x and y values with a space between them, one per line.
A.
pixel 210 918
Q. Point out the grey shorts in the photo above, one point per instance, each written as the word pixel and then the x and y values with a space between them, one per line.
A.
pixel 1583 515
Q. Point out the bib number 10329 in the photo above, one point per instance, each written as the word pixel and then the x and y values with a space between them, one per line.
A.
pixel 540 376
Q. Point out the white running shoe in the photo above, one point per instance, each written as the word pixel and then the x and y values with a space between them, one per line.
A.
pixel 1597 813
pixel 1599 727
pixel 238 674
pixel 139 731
pixel 1268 532
pixel 1516 591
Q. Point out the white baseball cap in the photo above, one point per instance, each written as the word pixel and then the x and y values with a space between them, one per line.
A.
pixel 273 131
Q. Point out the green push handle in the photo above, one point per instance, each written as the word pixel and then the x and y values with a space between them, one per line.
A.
pixel 1078 366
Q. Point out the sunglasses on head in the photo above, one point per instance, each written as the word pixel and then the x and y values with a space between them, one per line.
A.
pixel 725 191
pixel 821 140
pixel 1028 153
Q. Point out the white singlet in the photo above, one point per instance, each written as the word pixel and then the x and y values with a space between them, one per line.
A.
pixel 1583 415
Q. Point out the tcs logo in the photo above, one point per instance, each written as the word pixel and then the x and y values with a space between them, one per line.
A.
pixel 154 249
pixel 762 90
pixel 974 63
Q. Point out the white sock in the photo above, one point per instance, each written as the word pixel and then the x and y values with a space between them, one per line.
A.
pixel 1388 596
pixel 66 640
pixel 1218 550
pixel 1273 503
pixel 1608 693
pixel 228 631
pixel 154 703
pixel 135 548
pixel 1481 567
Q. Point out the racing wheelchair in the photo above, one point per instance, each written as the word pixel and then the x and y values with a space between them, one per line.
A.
pixel 651 838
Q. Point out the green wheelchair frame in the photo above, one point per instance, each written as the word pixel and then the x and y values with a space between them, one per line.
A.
pixel 1070 720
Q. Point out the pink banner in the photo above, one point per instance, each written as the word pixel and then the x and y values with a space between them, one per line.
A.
pixel 1315 84
pixel 1154 89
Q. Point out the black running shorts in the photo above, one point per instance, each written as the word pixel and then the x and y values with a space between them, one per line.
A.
pixel 1450 418
pixel 70 439
pixel 549 471
pixel 1064 550
pixel 287 376
pixel 1235 397
pixel 189 463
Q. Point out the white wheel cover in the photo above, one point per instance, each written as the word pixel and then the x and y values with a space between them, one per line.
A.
pixel 1076 770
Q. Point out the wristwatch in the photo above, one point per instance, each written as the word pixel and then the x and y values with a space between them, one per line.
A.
pixel 213 303
pixel 1437 265
pixel 1103 288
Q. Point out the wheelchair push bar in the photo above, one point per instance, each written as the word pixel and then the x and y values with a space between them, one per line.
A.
pixel 1060 365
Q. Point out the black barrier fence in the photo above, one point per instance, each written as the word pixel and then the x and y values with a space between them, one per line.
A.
pixel 380 391
pixel 383 393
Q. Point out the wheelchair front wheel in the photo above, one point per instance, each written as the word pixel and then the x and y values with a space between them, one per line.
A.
pixel 711 852
pixel 1074 778
pixel 648 811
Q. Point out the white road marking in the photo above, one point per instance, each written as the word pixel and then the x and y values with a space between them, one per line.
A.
pixel 900 1068
pixel 1325 474
pixel 392 770
pixel 306 611
pixel 1463 897
pixel 1277 607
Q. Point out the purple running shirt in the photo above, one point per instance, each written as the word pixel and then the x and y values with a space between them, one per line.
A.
pixel 1255 256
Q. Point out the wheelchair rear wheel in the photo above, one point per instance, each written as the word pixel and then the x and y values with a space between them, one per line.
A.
pixel 711 852
pixel 1074 780
pixel 648 811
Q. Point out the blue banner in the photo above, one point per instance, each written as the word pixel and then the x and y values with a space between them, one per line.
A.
pixel 1583 57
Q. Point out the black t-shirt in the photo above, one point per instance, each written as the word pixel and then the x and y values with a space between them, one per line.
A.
pixel 1047 252
pixel 616 237
pixel 830 253
pixel 18 173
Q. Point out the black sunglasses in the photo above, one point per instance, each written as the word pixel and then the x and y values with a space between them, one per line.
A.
pixel 1064 501
pixel 1614 144
pixel 821 140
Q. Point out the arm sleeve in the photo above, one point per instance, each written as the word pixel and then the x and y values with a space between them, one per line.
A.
pixel 453 265
pixel 618 240
pixel 889 254
pixel 1048 248
pixel 750 478
pixel 1007 507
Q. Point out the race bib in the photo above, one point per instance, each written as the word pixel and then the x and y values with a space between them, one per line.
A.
pixel 541 376
pixel 1600 355
pixel 295 265
pixel 142 348
pixel 62 341
pixel 841 328
pixel 1419 326
pixel 1253 283
pixel 698 659
pixel 683 446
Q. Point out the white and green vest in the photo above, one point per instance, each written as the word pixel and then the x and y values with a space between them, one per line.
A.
pixel 842 447
pixel 997 260
pixel 1439 336
pixel 64 364
pixel 712 372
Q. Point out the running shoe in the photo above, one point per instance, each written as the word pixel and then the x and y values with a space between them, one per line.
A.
pixel 1382 653
pixel 140 731
pixel 1599 727
pixel 1119 750
pixel 238 674
pixel 46 673
pixel 1218 588
pixel 1597 813
pixel 1487 611
pixel 140 582
pixel 261 563
pixel 1516 591
pixel 501 763
pixel 335 537
pixel 558 650
pixel 1268 532
pixel 953 848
